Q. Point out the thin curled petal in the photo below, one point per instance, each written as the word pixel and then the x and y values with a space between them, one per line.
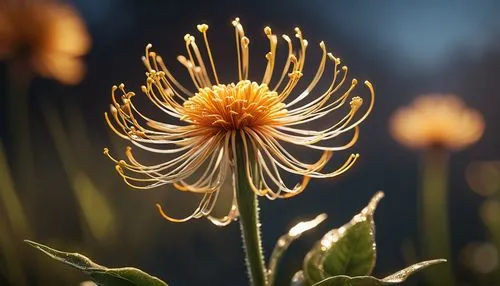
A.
pixel 197 150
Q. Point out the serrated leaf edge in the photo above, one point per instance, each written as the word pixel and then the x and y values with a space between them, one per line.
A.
pixel 365 214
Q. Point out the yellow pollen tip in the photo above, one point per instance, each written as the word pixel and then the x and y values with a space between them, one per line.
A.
pixel 356 102
pixel 202 28
pixel 268 31
pixel 119 169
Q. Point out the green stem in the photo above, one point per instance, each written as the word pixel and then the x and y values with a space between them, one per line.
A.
pixel 434 211
pixel 249 220
pixel 19 79
pixel 490 214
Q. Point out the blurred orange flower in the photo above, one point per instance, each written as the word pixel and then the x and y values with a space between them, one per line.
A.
pixel 437 120
pixel 45 36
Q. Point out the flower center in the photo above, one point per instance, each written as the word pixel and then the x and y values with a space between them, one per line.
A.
pixel 235 106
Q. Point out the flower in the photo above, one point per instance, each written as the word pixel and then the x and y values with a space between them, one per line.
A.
pixel 437 120
pixel 44 36
pixel 213 117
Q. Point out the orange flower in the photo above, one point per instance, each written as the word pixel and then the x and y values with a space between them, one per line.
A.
pixel 212 119
pixel 440 120
pixel 47 36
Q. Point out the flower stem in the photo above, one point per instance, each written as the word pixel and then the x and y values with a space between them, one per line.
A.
pixel 434 211
pixel 490 214
pixel 249 220
pixel 19 119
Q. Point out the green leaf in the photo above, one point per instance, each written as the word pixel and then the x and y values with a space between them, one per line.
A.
pixel 285 240
pixel 396 278
pixel 349 250
pixel 342 280
pixel 126 276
